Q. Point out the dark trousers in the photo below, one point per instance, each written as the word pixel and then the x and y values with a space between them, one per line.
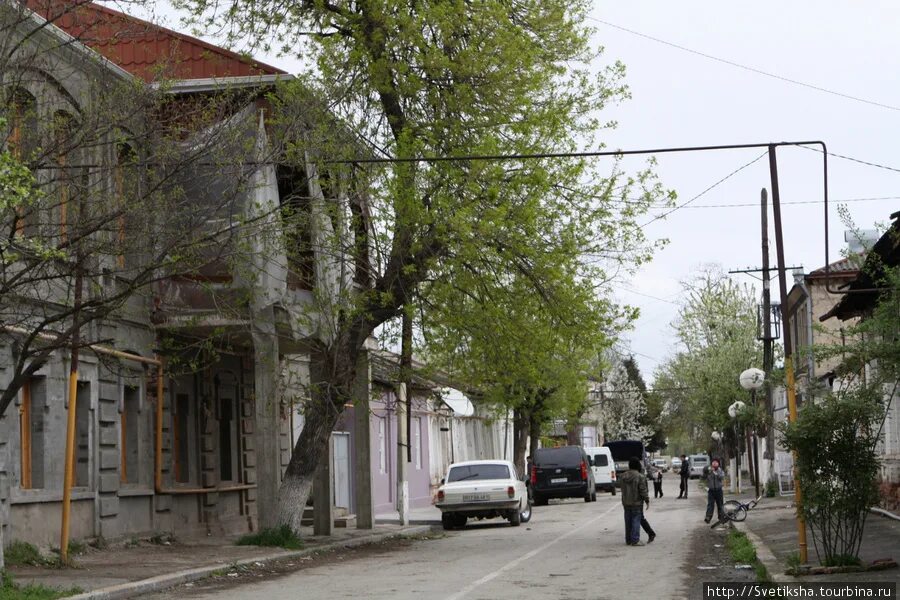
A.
pixel 646 526
pixel 633 517
pixel 657 489
pixel 683 488
pixel 714 496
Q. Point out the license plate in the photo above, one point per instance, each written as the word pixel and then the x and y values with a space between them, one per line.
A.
pixel 559 480
pixel 475 497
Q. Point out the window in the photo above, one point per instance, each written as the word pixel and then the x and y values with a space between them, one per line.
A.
pixel 382 446
pixel 181 439
pixel 22 144
pixel 417 441
pixel 63 140
pixel 600 460
pixel 227 439
pixel 82 435
pixel 126 184
pixel 293 190
pixel 478 472
pixel 31 433
pixel 130 444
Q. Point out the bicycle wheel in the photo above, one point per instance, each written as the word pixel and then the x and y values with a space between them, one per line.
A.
pixel 735 511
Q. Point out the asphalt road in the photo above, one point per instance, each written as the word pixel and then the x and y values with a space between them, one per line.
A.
pixel 570 549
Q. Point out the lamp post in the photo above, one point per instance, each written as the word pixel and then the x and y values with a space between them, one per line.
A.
pixel 751 380
pixel 734 410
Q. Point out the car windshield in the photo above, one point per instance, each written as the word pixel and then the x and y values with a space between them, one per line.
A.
pixel 472 472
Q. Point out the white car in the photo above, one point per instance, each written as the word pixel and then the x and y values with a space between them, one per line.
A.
pixel 482 489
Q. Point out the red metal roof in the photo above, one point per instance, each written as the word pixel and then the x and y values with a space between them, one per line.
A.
pixel 145 50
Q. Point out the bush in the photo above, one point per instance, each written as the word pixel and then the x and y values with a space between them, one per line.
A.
pixel 740 547
pixel 23 553
pixel 837 463
pixel 771 488
pixel 279 537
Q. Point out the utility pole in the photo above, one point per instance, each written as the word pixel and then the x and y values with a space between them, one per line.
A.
pixel 788 347
pixel 403 410
pixel 768 353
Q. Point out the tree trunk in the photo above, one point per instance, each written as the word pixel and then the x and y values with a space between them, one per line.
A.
pixel 330 371
pixel 520 438
pixel 534 431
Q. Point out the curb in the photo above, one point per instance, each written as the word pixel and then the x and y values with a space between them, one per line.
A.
pixel 169 580
pixel 765 555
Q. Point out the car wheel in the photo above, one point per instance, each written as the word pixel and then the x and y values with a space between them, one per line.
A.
pixel 526 512
pixel 515 517
pixel 587 497
pixel 460 521
pixel 594 496
pixel 448 521
pixel 614 490
pixel 539 500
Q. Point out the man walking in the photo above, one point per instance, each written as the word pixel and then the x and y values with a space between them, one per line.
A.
pixel 685 473
pixel 634 497
pixel 657 484
pixel 715 477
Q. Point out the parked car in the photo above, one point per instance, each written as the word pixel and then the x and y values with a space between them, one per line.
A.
pixel 482 489
pixel 624 450
pixel 661 464
pixel 698 463
pixel 603 467
pixel 676 464
pixel 561 473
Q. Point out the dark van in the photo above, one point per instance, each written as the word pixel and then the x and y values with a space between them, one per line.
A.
pixel 561 473
pixel 623 450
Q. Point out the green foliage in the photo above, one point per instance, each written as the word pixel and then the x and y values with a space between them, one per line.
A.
pixel 716 328
pixel 9 590
pixel 23 553
pixel 740 547
pixel 278 537
pixel 771 488
pixel 835 441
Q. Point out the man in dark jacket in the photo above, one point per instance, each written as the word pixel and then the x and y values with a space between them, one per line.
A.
pixel 634 498
pixel 715 478
pixel 685 473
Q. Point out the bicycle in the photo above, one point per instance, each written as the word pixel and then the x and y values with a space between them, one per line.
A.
pixel 736 510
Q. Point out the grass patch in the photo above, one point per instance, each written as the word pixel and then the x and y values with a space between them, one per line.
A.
pixel 743 552
pixel 740 547
pixel 277 537
pixel 10 590
pixel 23 553
pixel 842 560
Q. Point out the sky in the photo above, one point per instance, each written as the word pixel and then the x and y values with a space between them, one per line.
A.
pixel 680 98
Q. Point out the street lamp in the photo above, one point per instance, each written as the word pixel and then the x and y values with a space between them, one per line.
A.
pixel 751 380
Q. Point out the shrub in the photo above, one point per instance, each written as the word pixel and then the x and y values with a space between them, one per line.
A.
pixel 23 553
pixel 279 537
pixel 838 465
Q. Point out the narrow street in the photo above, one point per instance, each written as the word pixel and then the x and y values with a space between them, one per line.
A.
pixel 570 549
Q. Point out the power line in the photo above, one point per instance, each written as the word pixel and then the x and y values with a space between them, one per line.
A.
pixel 704 192
pixel 748 68
pixel 756 204
pixel 851 159
pixel 630 291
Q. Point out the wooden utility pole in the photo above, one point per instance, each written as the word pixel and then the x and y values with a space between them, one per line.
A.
pixel 768 339
pixel 788 347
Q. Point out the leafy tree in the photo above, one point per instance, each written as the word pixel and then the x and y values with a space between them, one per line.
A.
pixel 438 79
pixel 716 328
pixel 624 408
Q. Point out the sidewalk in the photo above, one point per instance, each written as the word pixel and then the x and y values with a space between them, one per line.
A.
pixel 774 525
pixel 123 571
pixel 428 515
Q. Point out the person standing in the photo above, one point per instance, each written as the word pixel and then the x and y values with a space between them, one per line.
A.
pixel 634 497
pixel 715 478
pixel 685 473
pixel 657 484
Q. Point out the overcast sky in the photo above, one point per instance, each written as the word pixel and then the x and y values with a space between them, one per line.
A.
pixel 683 99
